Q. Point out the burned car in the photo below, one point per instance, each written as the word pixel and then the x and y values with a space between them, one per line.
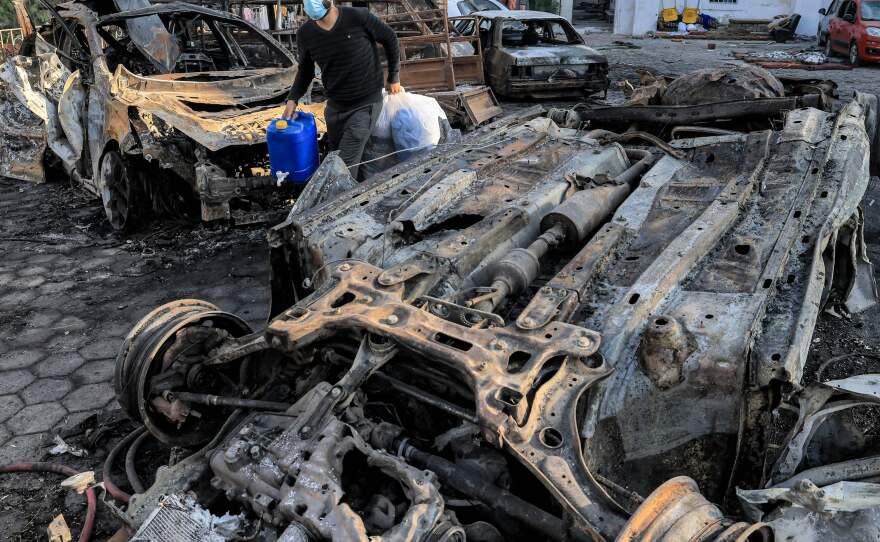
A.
pixel 558 329
pixel 532 54
pixel 146 106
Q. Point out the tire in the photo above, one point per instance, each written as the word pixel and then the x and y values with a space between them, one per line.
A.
pixel 829 52
pixel 117 191
pixel 853 56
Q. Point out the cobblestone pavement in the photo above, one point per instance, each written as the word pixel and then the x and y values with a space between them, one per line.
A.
pixel 70 291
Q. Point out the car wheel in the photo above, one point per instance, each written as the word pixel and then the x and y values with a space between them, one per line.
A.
pixel 116 191
pixel 853 57
pixel 829 52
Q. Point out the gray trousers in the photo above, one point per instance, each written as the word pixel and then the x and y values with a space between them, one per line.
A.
pixel 349 130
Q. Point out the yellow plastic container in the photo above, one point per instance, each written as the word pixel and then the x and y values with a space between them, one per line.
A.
pixel 690 15
pixel 669 15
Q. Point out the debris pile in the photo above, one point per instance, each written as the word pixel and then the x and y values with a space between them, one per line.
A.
pixel 558 328
pixel 797 60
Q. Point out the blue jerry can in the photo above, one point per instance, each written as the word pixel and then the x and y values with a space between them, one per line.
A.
pixel 293 147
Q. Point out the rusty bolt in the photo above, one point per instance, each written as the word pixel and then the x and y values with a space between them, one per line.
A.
pixel 335 392
pixel 306 429
pixel 546 290
pixel 391 320
pixel 528 321
pixel 481 366
pixel 344 267
pixel 583 342
pixel 276 342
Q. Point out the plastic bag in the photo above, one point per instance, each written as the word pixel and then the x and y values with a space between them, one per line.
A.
pixel 412 121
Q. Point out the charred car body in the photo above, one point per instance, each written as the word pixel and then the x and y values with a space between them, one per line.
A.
pixel 146 105
pixel 532 54
pixel 523 336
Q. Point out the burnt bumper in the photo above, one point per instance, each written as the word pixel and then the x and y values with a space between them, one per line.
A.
pixel 215 190
pixel 530 88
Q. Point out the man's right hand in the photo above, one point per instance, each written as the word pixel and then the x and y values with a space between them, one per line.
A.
pixel 289 110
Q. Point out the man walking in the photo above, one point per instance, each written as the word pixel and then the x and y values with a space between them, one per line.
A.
pixel 342 40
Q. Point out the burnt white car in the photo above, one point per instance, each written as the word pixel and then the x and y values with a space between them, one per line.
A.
pixel 151 107
pixel 533 54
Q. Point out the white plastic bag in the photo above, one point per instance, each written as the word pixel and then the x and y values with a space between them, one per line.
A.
pixel 412 121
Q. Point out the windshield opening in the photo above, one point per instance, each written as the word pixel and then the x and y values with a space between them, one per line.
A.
pixel 187 43
pixel 537 32
pixel 871 11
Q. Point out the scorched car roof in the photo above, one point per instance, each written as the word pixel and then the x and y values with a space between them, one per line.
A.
pixel 516 14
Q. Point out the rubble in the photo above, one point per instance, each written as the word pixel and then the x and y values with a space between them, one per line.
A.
pixel 803 60
pixel 530 333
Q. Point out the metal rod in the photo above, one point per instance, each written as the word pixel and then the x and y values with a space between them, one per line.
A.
pixel 216 400
pixel 427 398
pixel 477 487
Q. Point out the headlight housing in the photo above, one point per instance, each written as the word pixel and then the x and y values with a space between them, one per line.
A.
pixel 874 31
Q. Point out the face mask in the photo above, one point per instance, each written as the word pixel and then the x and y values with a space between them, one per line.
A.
pixel 315 9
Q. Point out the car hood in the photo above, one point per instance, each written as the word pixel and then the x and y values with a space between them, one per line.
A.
pixel 552 55
pixel 215 109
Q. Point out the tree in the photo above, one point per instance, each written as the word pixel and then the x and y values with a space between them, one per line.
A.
pixel 7 13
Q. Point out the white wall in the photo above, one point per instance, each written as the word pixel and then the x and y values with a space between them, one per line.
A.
pixel 566 8
pixel 636 17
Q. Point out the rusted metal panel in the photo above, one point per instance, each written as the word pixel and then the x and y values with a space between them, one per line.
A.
pixel 150 35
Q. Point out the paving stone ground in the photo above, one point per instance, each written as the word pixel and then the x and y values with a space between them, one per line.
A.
pixel 70 290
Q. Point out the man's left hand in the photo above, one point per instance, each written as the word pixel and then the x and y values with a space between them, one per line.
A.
pixel 395 88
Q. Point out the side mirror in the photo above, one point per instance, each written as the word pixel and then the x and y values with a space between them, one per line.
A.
pixel 821 11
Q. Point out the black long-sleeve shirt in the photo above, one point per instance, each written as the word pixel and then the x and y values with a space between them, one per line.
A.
pixel 350 68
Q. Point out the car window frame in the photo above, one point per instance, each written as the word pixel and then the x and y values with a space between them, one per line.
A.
pixel 833 8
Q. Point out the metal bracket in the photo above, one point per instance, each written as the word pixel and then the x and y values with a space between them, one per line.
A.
pixel 458 314
pixel 423 264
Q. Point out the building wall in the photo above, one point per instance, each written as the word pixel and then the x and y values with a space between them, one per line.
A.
pixel 636 17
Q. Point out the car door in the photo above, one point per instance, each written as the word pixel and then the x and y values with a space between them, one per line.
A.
pixel 848 25
pixel 827 15
pixel 835 26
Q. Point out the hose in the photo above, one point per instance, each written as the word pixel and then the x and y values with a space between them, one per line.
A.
pixel 606 136
pixel 130 471
pixel 91 501
pixel 112 488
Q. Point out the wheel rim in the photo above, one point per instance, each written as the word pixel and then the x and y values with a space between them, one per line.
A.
pixel 142 357
pixel 115 190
